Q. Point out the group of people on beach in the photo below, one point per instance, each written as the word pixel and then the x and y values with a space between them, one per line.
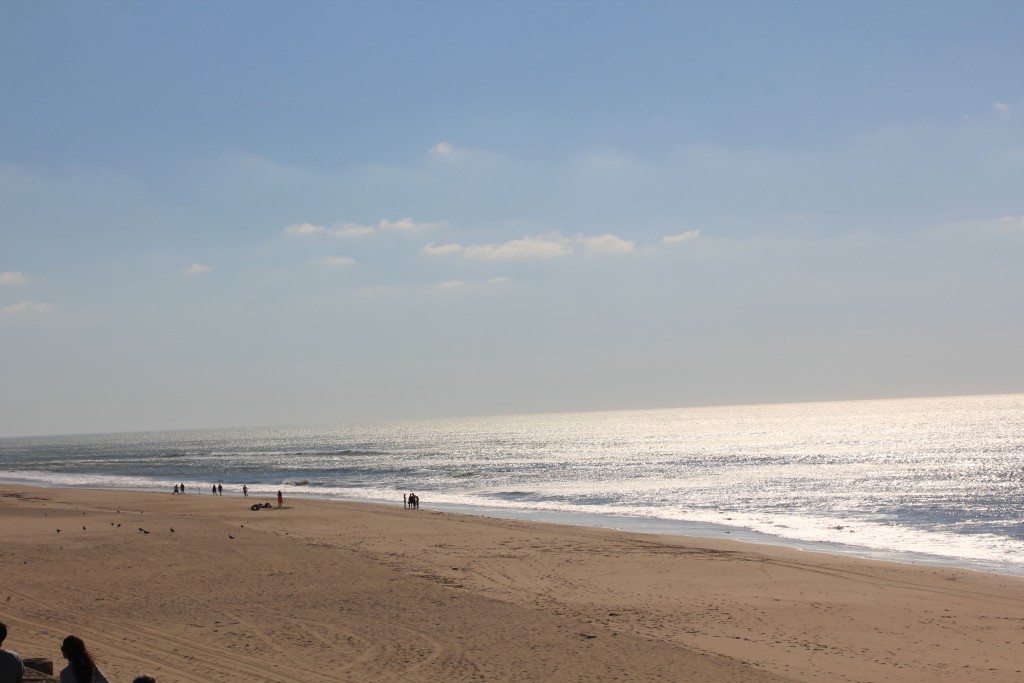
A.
pixel 217 490
pixel 81 666
pixel 410 501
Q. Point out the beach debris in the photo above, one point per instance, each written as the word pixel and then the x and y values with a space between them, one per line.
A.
pixel 119 525
pixel 588 635
pixel 143 530
pixel 172 529
pixel 58 531
pixel 83 527
pixel 231 537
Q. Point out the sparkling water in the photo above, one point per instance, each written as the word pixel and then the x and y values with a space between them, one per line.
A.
pixel 935 480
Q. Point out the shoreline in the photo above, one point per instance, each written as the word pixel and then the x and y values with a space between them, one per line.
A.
pixel 631 524
pixel 328 591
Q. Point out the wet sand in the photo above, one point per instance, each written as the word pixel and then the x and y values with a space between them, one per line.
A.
pixel 328 591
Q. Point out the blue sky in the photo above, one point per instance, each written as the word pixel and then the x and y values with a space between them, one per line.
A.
pixel 221 214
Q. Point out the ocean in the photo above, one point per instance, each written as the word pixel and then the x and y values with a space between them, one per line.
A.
pixel 932 480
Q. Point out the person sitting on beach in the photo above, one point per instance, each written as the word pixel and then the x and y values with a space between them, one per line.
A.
pixel 81 667
pixel 12 670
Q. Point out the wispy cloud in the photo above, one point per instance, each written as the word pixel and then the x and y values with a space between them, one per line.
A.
pixel 446 150
pixel 356 229
pixel 13 278
pixel 336 261
pixel 197 269
pixel 302 229
pixel 606 244
pixel 441 250
pixel 544 247
pixel 681 237
pixel 408 224
pixel 27 308
pixel 451 284
pixel 1012 223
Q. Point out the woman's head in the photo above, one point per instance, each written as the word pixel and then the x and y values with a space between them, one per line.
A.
pixel 73 648
pixel 81 661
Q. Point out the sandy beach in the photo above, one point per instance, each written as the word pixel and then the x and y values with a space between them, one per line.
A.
pixel 328 591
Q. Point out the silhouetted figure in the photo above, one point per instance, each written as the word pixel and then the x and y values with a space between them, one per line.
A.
pixel 280 499
pixel 245 491
pixel 81 668
pixel 405 501
pixel 175 489
pixel 11 667
pixel 215 489
pixel 220 490
pixel 414 501
pixel 183 489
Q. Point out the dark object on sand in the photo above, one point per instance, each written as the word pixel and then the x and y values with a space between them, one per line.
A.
pixel 260 506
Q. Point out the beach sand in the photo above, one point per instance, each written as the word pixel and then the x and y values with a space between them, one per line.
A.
pixel 328 591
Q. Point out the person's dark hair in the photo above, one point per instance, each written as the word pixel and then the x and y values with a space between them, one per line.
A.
pixel 3 632
pixel 143 679
pixel 79 658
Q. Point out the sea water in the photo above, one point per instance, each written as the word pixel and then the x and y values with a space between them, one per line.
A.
pixel 928 480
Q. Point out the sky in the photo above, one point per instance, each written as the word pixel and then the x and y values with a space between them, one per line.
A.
pixel 287 213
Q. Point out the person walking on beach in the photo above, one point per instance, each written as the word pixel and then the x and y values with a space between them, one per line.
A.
pixel 182 489
pixel 215 489
pixel 220 490
pixel 12 670
pixel 245 491
pixel 175 490
pixel 405 501
pixel 81 667
pixel 280 499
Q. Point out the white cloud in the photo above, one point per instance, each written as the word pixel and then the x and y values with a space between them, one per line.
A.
pixel 1001 107
pixel 441 250
pixel 197 269
pixel 408 224
pixel 1012 223
pixel 302 229
pixel 451 284
pixel 544 247
pixel 355 229
pixel 27 308
pixel 351 230
pixel 606 244
pixel 13 278
pixel 336 261
pixel 443 148
pixel 681 237
pixel 498 280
